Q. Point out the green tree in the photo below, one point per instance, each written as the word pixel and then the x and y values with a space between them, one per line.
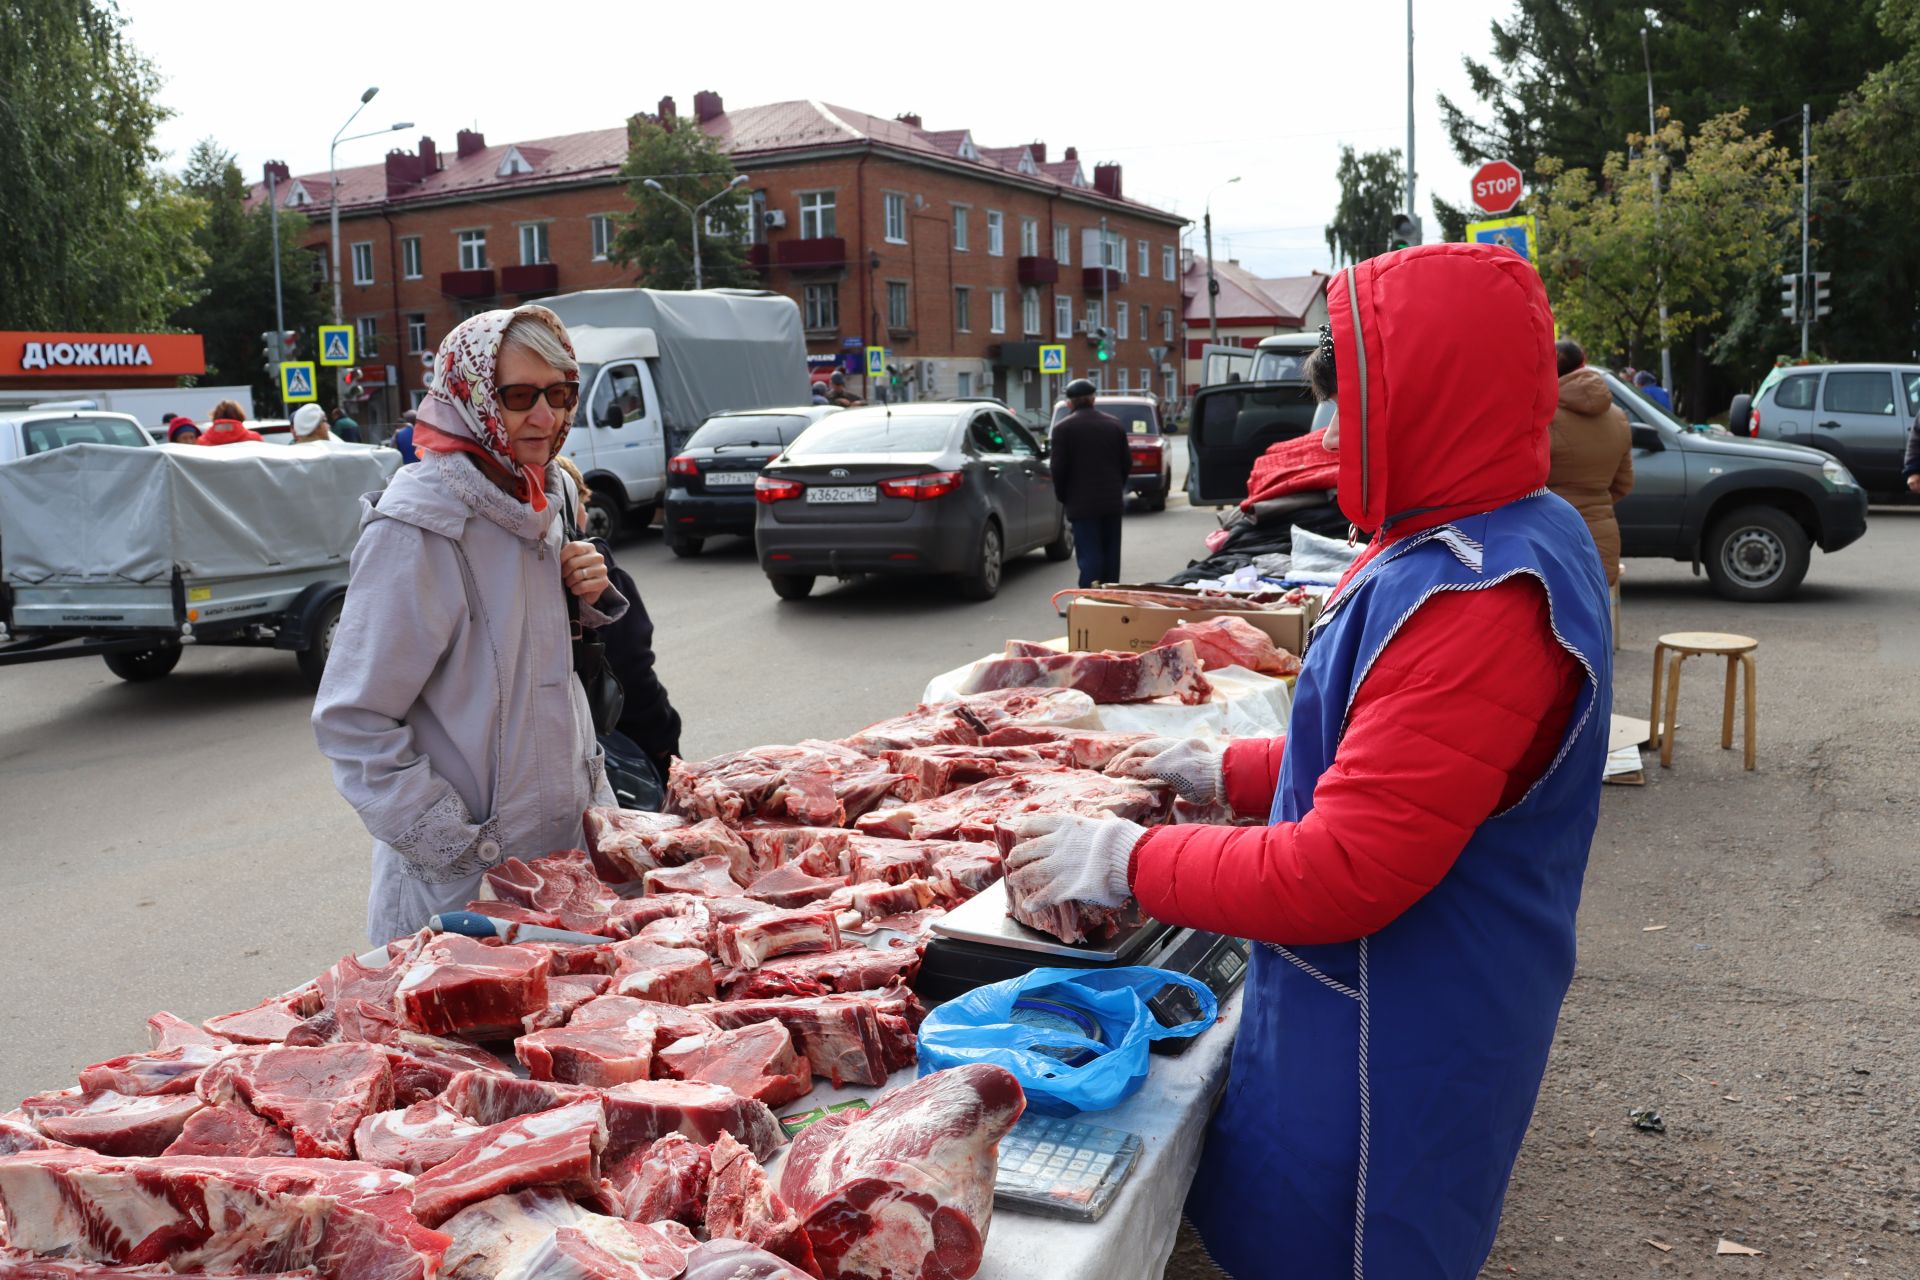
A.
pixel 235 292
pixel 1727 202
pixel 93 236
pixel 656 238
pixel 1372 191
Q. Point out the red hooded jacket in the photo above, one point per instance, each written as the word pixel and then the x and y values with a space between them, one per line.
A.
pixel 228 431
pixel 1464 708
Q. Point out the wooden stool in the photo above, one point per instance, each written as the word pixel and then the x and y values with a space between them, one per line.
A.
pixel 1675 649
pixel 1613 596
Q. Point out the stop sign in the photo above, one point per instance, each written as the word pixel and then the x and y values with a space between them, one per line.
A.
pixel 1497 186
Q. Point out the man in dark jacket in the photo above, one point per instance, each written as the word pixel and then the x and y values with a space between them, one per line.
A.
pixel 1090 466
pixel 1910 467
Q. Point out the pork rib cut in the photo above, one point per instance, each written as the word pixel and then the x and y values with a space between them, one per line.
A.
pixel 114 1124
pixel 1106 677
pixel 318 1095
pixel 757 1061
pixel 415 1139
pixel 975 813
pixel 742 1205
pixel 557 1148
pixel 231 1130
pixel 839 1035
pixel 458 986
pixel 749 943
pixel 637 1113
pixel 666 1181
pixel 821 784
pixel 963 721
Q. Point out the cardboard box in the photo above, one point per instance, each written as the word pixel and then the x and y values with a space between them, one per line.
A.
pixel 1099 624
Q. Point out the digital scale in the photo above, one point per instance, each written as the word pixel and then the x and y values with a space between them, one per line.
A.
pixel 978 943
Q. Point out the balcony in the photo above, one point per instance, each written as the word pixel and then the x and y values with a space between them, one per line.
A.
pixel 1093 279
pixel 468 284
pixel 827 251
pixel 1039 271
pixel 542 277
pixel 760 256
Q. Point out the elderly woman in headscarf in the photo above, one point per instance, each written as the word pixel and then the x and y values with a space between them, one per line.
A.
pixel 449 709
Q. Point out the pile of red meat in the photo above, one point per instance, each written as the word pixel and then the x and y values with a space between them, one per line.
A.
pixel 1174 667
pixel 541 1110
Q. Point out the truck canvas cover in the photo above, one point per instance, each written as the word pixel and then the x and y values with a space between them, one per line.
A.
pixel 97 513
pixel 717 349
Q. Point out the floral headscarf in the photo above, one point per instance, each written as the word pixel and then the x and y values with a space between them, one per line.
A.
pixel 461 404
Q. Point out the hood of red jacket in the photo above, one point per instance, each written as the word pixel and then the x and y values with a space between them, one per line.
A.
pixel 1447 382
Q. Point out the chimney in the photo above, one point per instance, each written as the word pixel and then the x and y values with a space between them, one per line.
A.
pixel 668 114
pixel 403 170
pixel 278 170
pixel 1106 179
pixel 469 142
pixel 1071 153
pixel 911 119
pixel 1039 150
pixel 707 106
pixel 429 156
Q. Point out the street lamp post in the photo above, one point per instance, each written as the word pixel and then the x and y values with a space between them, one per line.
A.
pixel 1213 287
pixel 1666 352
pixel 693 214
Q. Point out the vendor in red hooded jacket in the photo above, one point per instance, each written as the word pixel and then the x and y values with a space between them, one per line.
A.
pixel 229 425
pixel 1428 814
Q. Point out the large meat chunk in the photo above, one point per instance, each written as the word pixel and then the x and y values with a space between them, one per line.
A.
pixel 755 1061
pixel 742 1205
pixel 415 1139
pixel 934 771
pixel 1084 748
pixel 27 1266
pixel 854 968
pixel 669 1021
pixel 113 1124
pixel 819 851
pixel 231 1130
pixel 792 886
pixel 1170 671
pixel 488 1239
pixel 161 1071
pixel 601 1248
pixel 737 1260
pixel 821 784
pixel 637 1113
pixel 840 1035
pixel 565 993
pixel 343 1219
pixel 748 943
pixel 601 1056
pixel 961 874
pixel 664 1182
pixel 671 975
pixel 892 861
pixel 1227 641
pixel 879 898
pixel 705 877
pixel 560 891
pixel 458 986
pixel 169 1031
pixel 905 1190
pixel 316 1094
pixel 621 841
pixel 18 1134
pixel 265 1023
pixel 974 813
pixel 964 721
pixel 558 1148
pixel 1072 921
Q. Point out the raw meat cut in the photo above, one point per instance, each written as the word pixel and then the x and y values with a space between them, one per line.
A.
pixel 113 1124
pixel 458 986
pixel 1228 641
pixel 880 898
pixel 165 1031
pixel 579 959
pixel 565 993
pixel 1073 921
pixel 487 1239
pixel 960 875
pixel 742 1205
pixel 821 784
pixel 231 1130
pixel 756 1061
pixel 600 1248
pixel 559 1148
pixel 906 1188
pixel 663 1182
pixel 707 877
pixel 934 771
pixel 748 943
pixel 709 838
pixel 672 975
pixel 974 813
pixel 840 1035
pixel 162 1071
pixel 892 861
pixel 637 1113
pixel 818 851
pixel 621 841
pixel 18 1134
pixel 963 721
pixel 344 1219
pixel 265 1023
pixel 316 1094
pixel 349 980
pixel 692 931
pixel 27 1266
pixel 1170 671
pixel 415 1139
pixel 848 969
pixel 738 1260
pixel 561 884
pixel 1189 598
pixel 670 1021
pixel 600 1056
pixel 791 886
pixel 1085 748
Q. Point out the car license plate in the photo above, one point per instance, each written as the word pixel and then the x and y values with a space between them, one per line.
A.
pixel 843 493
pixel 721 479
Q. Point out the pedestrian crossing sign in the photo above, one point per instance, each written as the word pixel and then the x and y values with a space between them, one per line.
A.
pixel 297 381
pixel 1053 358
pixel 876 362
pixel 336 344
pixel 1518 234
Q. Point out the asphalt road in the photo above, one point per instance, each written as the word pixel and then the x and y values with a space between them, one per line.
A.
pixel 1748 941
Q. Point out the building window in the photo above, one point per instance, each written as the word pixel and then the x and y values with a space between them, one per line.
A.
pixel 963 310
pixel 416 334
pixel 533 244
pixel 1166 262
pixel 823 307
pixel 755 232
pixel 963 383
pixel 1029 238
pixel 1063 245
pixel 1120 381
pixel 816 215
pixel 363 262
pixel 1063 317
pixel 1030 310
pixel 1166 324
pixel 896 217
pixel 368 337
pixel 897 304
pixel 996 232
pixel 1093 313
pixel 410 258
pixel 473 250
pixel 1146 380
pixel 997 310
pixel 1146 322
pixel 1120 321
pixel 1146 259
pixel 601 225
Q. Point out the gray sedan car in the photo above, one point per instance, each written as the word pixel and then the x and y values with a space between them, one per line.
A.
pixel 927 488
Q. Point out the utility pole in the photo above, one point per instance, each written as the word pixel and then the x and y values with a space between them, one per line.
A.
pixel 1412 206
pixel 1213 286
pixel 1666 352
pixel 273 212
pixel 1806 265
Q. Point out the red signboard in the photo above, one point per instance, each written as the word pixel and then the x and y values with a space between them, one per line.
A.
pixel 1497 186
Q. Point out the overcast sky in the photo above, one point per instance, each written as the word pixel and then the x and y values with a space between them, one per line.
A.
pixel 1266 93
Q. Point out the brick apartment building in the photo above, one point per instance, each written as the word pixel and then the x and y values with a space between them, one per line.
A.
pixel 961 259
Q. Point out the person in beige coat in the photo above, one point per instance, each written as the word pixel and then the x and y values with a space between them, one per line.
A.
pixel 1592 466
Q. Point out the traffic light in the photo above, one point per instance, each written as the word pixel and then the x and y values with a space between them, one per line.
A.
pixel 1820 295
pixel 1790 297
pixel 893 375
pixel 273 350
pixel 350 378
pixel 1102 339
pixel 1406 231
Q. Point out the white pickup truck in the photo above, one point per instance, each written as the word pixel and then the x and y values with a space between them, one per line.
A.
pixel 654 365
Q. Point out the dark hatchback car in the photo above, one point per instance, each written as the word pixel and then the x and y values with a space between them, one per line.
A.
pixel 710 482
pixel 924 488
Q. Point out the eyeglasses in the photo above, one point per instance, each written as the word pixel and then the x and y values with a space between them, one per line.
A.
pixel 519 396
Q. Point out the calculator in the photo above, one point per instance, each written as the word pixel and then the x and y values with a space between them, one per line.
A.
pixel 1063 1168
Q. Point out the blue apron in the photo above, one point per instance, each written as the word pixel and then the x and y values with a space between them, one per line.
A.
pixel 1380 1088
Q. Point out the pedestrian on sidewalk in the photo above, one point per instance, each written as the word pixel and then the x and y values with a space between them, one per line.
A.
pixel 229 425
pixel 1592 459
pixel 839 395
pixel 1429 810
pixel 342 427
pixel 310 425
pixel 1649 386
pixel 181 430
pixel 1090 460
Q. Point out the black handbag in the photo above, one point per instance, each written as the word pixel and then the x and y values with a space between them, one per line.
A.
pixel 606 699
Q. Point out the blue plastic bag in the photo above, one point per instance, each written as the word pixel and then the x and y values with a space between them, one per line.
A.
pixel 980 1026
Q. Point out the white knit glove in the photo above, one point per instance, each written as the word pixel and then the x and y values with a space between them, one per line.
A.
pixel 1064 858
pixel 1191 766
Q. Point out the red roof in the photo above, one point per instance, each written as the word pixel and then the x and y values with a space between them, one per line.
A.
pixel 1245 298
